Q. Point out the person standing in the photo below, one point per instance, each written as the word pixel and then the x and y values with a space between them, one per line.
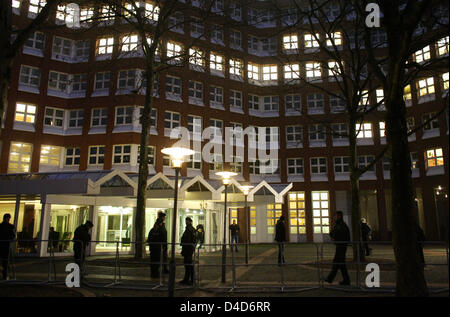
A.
pixel 200 235
pixel 81 240
pixel 188 241
pixel 365 235
pixel 162 216
pixel 341 235
pixel 155 239
pixel 280 237
pixel 234 230
pixel 7 234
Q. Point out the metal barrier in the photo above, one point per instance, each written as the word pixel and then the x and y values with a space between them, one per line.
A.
pixel 305 268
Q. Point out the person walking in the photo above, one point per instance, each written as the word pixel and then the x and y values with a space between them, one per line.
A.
pixel 155 239
pixel 7 234
pixel 234 230
pixel 365 236
pixel 188 241
pixel 280 237
pixel 341 235
pixel 162 216
pixel 81 240
pixel 200 235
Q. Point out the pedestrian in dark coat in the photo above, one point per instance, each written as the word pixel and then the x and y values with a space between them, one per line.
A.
pixel 155 240
pixel 7 234
pixel 280 237
pixel 163 229
pixel 365 236
pixel 234 230
pixel 188 242
pixel 81 240
pixel 341 235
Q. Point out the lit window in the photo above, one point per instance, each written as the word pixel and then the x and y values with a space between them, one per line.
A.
pixel 270 73
pixel 216 62
pixel 335 39
pixel 297 215
pixel 65 14
pixel 422 55
pixel 414 160
pixel 15 4
pixel 253 220
pixel 236 67
pixel 320 202
pixel 122 154
pixel 25 113
pixel 334 70
pixel 434 157
pixel 442 46
pixel 36 5
pixel 426 86
pixel 253 72
pixel 382 126
pixel 72 157
pixel 174 50
pixel 295 166
pixel 310 40
pixel 96 155
pixel 290 42
pixel 106 13
pixel 380 96
pixel 105 46
pixel 318 165
pixel 86 14
pixel 445 81
pixel 407 95
pixel 364 98
pixel 19 157
pixel 151 11
pixel 364 131
pixel 196 57
pixel 129 43
pixel 313 70
pixel 292 71
pixel 274 212
pixel 50 155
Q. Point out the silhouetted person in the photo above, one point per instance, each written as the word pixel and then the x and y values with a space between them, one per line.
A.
pixel 81 239
pixel 365 236
pixel 163 229
pixel 53 238
pixel 341 234
pixel 420 241
pixel 200 235
pixel 155 239
pixel 7 234
pixel 234 230
pixel 188 241
pixel 280 237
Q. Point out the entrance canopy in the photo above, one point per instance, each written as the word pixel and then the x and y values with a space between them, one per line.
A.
pixel 117 183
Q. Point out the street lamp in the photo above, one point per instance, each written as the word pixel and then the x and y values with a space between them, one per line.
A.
pixel 177 155
pixel 226 179
pixel 246 191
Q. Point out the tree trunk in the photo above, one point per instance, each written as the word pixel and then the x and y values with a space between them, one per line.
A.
pixel 5 77
pixel 143 167
pixel 410 274
pixel 354 193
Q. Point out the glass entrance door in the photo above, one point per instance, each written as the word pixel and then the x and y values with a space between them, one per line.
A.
pixel 114 225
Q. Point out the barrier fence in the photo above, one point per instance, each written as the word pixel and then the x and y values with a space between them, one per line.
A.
pixel 306 266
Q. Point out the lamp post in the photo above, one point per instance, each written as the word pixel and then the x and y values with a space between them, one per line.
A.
pixel 245 191
pixel 226 178
pixel 177 155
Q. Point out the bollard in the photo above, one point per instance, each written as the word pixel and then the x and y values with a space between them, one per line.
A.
pixel 233 268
